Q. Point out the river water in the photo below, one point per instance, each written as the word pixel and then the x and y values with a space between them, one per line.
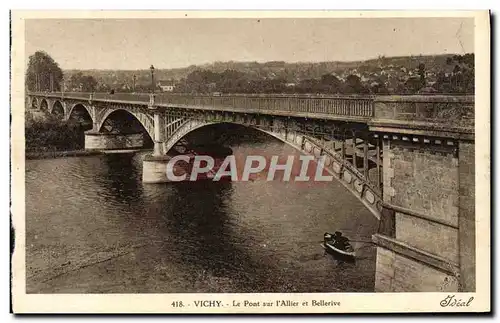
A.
pixel 92 226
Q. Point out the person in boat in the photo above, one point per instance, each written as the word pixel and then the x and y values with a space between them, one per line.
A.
pixel 339 241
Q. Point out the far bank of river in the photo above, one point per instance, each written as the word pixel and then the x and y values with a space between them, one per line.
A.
pixel 59 154
pixel 46 136
pixel 33 155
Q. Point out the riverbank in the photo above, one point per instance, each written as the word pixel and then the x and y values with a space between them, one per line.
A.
pixel 30 155
pixel 49 137
pixel 59 154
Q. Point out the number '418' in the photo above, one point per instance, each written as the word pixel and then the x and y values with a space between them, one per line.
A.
pixel 177 304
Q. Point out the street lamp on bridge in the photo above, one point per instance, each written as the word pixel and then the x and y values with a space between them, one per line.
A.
pixel 62 85
pixel 152 68
pixel 51 76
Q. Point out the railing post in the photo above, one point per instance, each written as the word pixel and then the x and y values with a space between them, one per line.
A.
pixel 378 143
pixel 342 147
pixel 354 152
pixel 151 104
pixel 365 158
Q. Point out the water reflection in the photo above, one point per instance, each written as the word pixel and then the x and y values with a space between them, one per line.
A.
pixel 119 176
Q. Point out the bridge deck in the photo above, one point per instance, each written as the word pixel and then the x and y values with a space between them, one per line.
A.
pixel 319 106
pixel 453 112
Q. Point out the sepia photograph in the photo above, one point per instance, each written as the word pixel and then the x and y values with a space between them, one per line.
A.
pixel 250 162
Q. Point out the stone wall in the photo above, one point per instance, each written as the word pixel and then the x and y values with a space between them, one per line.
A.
pixel 467 228
pixel 424 179
pixel 421 185
pixel 397 273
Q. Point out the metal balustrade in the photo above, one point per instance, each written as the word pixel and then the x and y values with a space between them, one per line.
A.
pixel 363 107
pixel 344 106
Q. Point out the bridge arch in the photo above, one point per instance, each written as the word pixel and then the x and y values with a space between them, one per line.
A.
pixel 44 105
pixel 79 106
pixel 144 119
pixel 34 103
pixel 351 179
pixel 57 108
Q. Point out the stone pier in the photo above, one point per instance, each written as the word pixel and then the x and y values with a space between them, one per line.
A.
pixel 108 141
pixel 154 169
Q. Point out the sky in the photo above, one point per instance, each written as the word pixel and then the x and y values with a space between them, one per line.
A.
pixel 170 43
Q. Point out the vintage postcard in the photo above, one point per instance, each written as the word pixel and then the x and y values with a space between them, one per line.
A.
pixel 250 162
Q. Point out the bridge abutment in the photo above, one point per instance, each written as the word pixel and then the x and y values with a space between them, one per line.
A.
pixel 466 216
pixel 426 238
pixel 421 196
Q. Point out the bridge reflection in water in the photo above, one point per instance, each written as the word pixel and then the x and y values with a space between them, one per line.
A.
pixel 406 158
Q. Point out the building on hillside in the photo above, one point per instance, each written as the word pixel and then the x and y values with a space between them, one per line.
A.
pixel 212 86
pixel 166 86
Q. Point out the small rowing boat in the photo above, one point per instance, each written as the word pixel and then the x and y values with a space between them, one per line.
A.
pixel 339 247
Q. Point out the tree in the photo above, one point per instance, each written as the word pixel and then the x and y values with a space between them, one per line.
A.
pixel 379 87
pixel 461 80
pixel 84 83
pixel 413 85
pixel 201 81
pixel 353 85
pixel 230 81
pixel 89 84
pixel 43 73
pixel 330 83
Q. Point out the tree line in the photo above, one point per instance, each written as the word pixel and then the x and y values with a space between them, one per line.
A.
pixel 231 81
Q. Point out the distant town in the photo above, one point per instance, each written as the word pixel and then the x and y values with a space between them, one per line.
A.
pixel 431 74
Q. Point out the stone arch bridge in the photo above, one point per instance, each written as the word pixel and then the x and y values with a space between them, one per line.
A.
pixel 408 159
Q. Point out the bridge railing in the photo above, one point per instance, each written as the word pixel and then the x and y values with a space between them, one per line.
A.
pixel 456 111
pixel 131 97
pixel 315 104
pixel 444 110
pixel 349 106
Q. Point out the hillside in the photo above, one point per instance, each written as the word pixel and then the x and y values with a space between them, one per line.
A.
pixel 291 72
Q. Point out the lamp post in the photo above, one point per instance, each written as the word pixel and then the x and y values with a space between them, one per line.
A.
pixel 152 68
pixel 133 87
pixel 37 82
pixel 36 78
pixel 63 85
